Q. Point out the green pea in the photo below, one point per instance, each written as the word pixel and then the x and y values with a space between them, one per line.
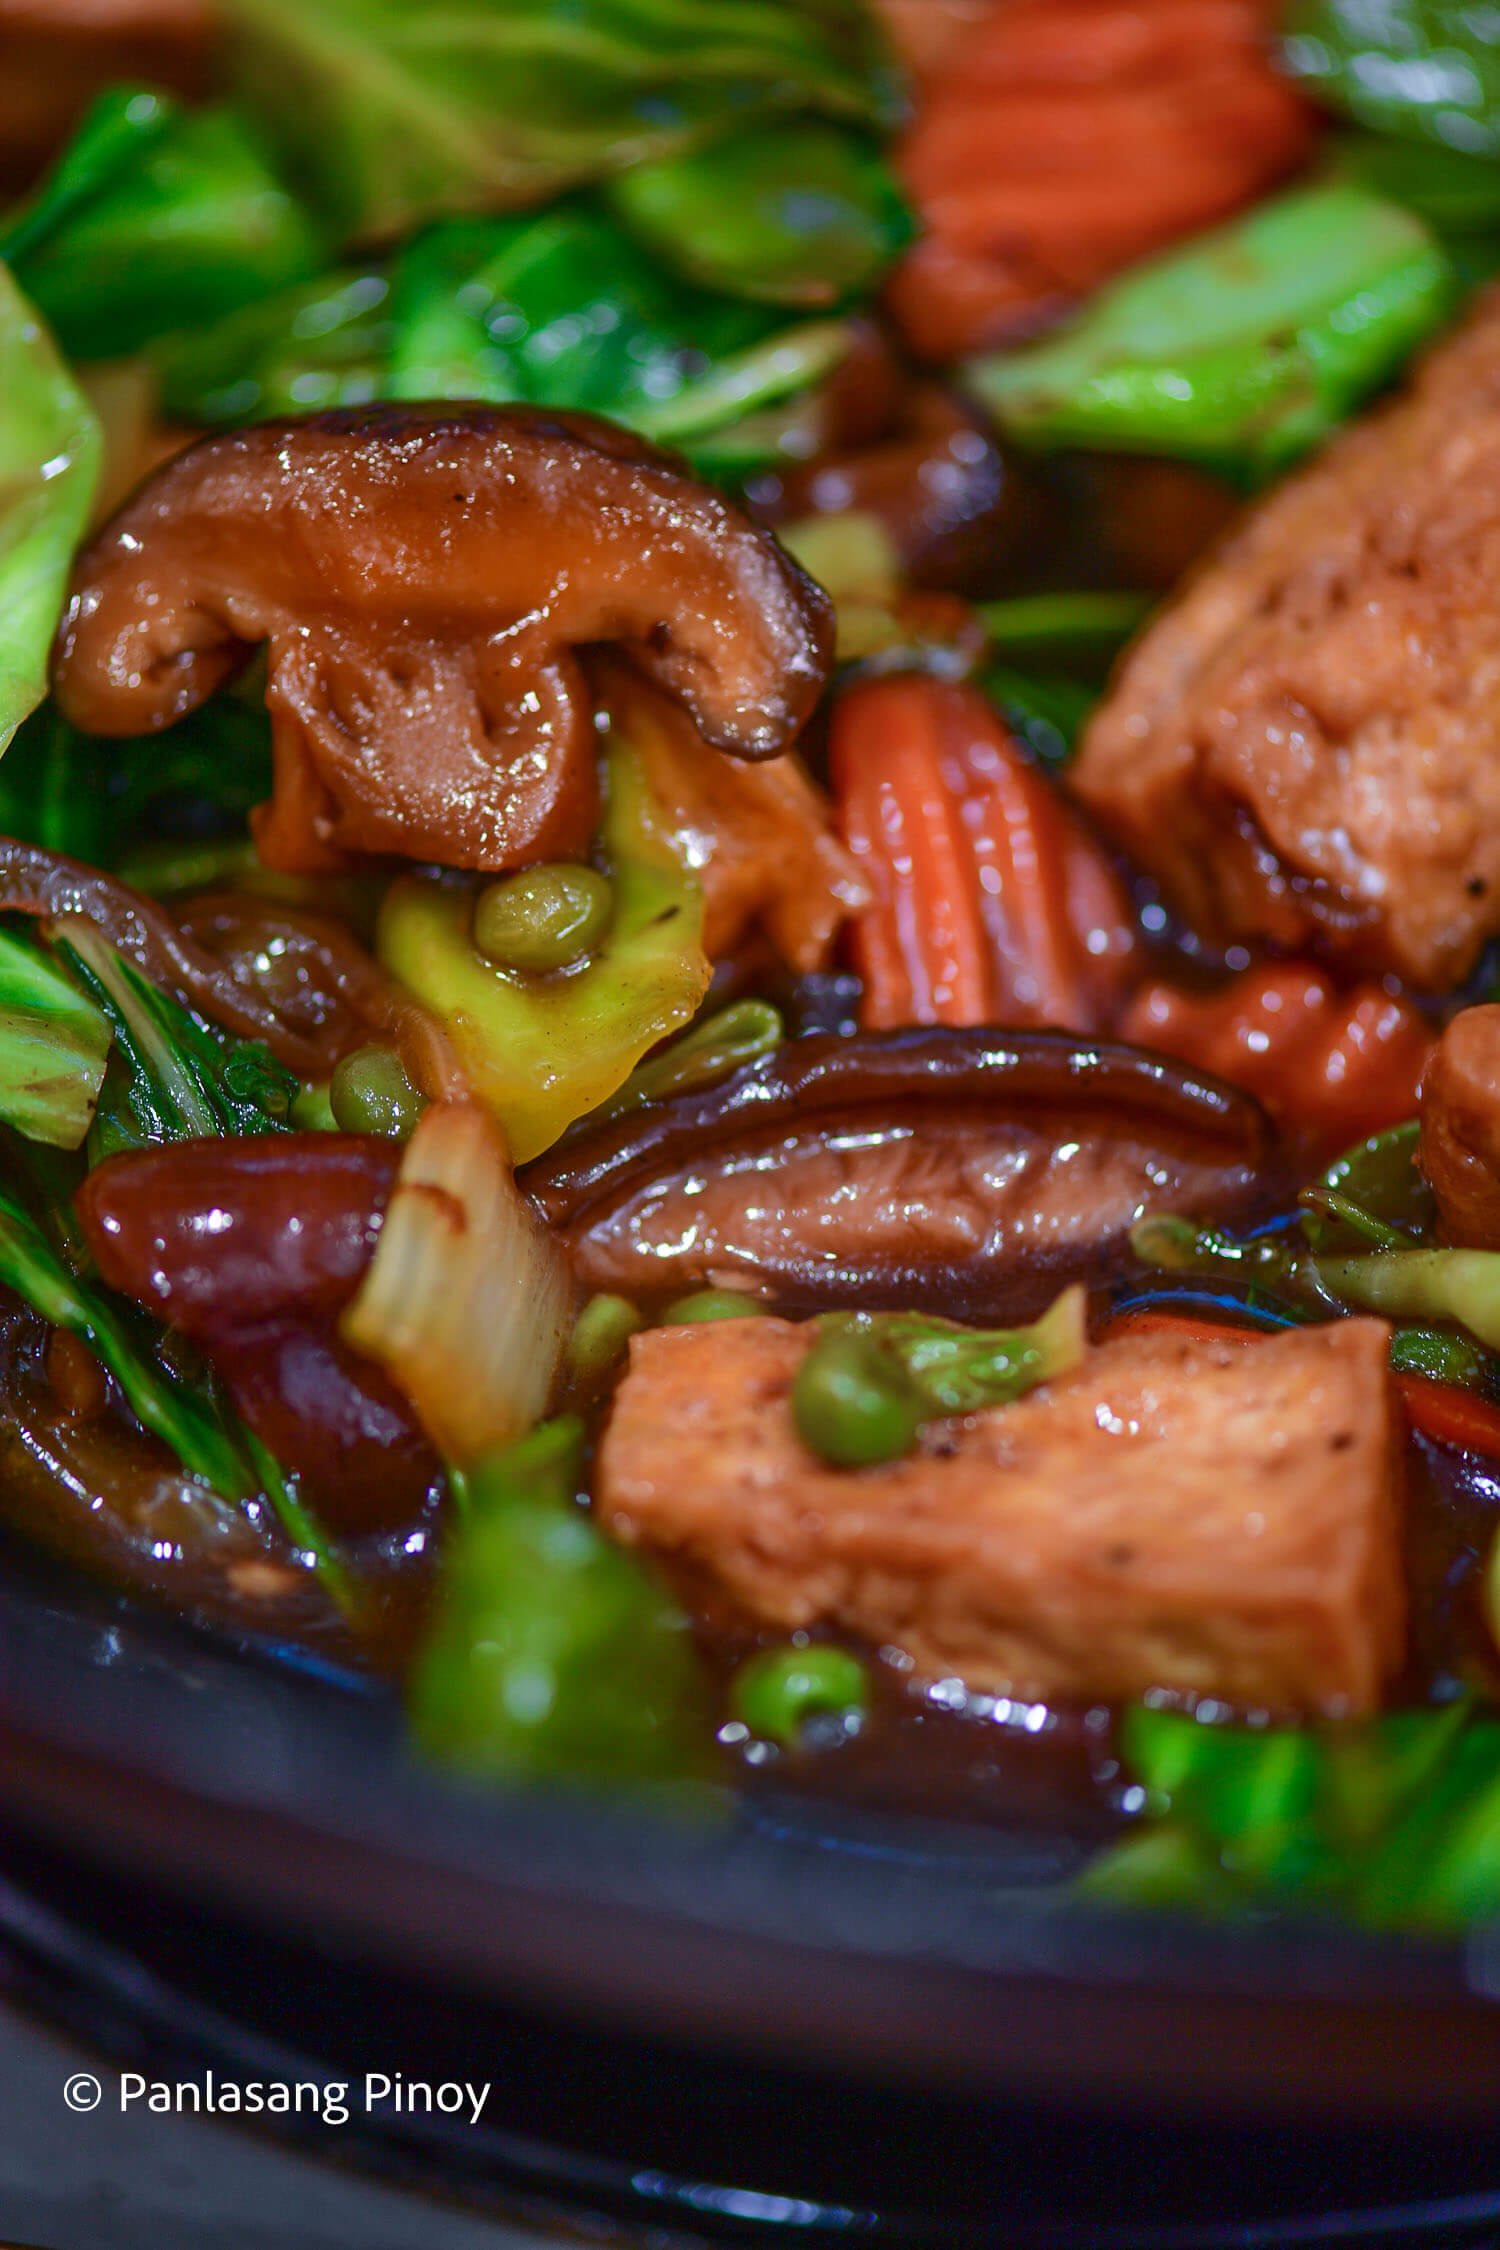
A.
pixel 778 1691
pixel 312 1111
pixel 851 1404
pixel 544 918
pixel 712 1304
pixel 371 1093
pixel 600 1334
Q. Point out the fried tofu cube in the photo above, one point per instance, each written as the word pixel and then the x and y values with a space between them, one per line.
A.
pixel 1210 1516
pixel 1304 744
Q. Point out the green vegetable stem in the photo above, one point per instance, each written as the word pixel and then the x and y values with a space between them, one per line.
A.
pixel 172 1077
pixel 208 1441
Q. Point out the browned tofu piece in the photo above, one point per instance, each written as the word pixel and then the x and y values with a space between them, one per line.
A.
pixel 1305 744
pixel 1461 1128
pixel 1215 1517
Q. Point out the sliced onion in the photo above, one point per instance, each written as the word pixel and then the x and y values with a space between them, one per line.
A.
pixel 468 1300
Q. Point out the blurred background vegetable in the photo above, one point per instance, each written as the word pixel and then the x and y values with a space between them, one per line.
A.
pixel 112 803
pixel 1245 348
pixel 1334 1064
pixel 153 219
pixel 1426 70
pixel 1396 1825
pixel 565 309
pixel 392 115
pixel 49 464
pixel 799 213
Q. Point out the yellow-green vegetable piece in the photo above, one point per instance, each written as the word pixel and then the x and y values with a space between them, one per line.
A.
pixel 50 450
pixel 542 1051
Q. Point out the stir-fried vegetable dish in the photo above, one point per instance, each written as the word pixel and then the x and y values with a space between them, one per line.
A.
pixel 750 895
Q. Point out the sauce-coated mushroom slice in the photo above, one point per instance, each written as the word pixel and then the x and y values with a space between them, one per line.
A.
pixel 1461 1128
pixel 968 1170
pixel 425 582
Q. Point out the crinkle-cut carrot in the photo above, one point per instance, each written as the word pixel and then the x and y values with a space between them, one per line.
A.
pixel 1064 139
pixel 990 901
pixel 1451 1415
pixel 1336 1064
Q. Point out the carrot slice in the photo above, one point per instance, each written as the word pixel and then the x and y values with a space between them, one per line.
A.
pixel 1336 1064
pixel 1061 140
pixel 1451 1415
pixel 990 902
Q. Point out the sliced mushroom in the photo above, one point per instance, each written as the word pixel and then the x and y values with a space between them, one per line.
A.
pixel 425 582
pixel 968 1169
pixel 1460 1146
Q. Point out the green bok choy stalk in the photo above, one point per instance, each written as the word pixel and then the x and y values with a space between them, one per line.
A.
pixel 212 1446
pixel 1243 349
pixel 177 1079
pixel 54 1045
pixel 50 450
pixel 555 1655
pixel 392 115
pixel 155 218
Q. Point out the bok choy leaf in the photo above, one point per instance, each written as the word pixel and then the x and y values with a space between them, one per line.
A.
pixel 804 213
pixel 154 219
pixel 209 1441
pixel 393 114
pixel 50 449
pixel 566 310
pixel 1242 349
